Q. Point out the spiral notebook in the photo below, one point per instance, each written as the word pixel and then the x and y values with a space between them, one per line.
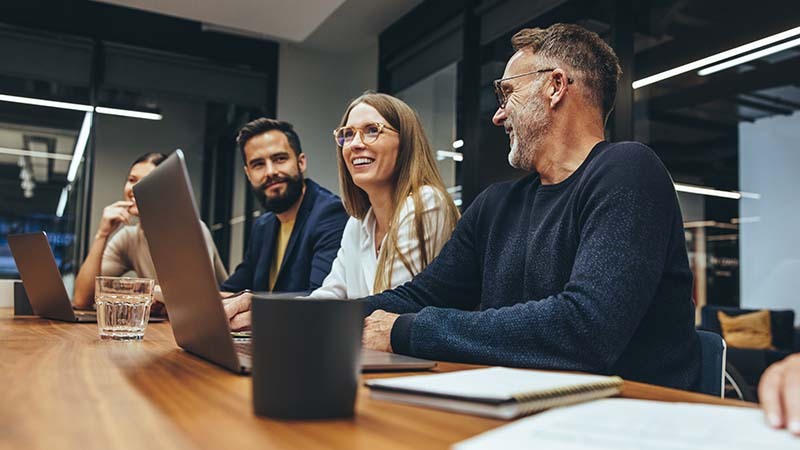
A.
pixel 496 392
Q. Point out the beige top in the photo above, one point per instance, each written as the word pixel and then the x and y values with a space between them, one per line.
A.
pixel 127 250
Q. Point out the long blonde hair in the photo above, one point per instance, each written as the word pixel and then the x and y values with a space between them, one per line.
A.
pixel 415 168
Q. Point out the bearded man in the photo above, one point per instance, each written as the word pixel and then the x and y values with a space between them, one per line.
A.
pixel 581 265
pixel 292 245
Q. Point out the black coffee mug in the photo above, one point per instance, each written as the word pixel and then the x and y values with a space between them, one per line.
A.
pixel 306 356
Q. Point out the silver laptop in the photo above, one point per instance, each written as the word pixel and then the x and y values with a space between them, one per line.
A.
pixel 39 272
pixel 172 227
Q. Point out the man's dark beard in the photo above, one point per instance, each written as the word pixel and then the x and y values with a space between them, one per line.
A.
pixel 281 203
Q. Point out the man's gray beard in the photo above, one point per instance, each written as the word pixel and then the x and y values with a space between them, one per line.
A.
pixel 529 129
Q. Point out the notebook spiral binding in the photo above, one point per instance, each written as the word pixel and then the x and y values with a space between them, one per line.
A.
pixel 533 402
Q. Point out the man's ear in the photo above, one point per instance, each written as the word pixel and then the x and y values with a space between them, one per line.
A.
pixel 301 162
pixel 559 84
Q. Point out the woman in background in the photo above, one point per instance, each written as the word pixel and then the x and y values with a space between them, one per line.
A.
pixel 120 246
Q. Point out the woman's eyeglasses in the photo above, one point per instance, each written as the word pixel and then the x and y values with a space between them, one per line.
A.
pixel 369 133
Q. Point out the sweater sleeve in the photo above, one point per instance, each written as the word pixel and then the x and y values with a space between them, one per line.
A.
pixel 626 218
pixel 451 280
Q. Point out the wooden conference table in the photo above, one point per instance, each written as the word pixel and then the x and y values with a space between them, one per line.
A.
pixel 61 387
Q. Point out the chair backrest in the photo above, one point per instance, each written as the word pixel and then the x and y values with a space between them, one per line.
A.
pixel 712 368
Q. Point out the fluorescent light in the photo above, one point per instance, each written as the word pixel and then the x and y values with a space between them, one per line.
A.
pixel 128 113
pixel 707 191
pixel 80 147
pixel 41 102
pixel 444 154
pixel 716 58
pixel 458 144
pixel 749 57
pixel 34 154
pixel 62 201
pixel 80 107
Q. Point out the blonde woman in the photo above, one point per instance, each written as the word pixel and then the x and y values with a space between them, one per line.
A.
pixel 401 213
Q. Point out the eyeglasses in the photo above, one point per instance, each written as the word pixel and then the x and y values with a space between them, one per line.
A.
pixel 502 95
pixel 369 133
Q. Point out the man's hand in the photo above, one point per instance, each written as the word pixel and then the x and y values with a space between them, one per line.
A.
pixel 238 311
pixel 378 330
pixel 779 392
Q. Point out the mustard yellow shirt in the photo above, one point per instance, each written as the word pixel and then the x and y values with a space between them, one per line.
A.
pixel 280 249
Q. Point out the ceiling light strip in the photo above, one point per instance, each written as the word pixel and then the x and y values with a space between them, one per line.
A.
pixel 128 113
pixel 749 57
pixel 62 201
pixel 34 154
pixel 80 107
pixel 47 103
pixel 80 147
pixel 716 58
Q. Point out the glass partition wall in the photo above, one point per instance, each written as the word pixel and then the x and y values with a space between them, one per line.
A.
pixel 711 87
pixel 76 111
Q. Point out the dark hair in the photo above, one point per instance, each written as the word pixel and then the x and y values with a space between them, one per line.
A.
pixel 582 50
pixel 263 125
pixel 153 158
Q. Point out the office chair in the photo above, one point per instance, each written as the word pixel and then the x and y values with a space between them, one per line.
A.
pixel 712 369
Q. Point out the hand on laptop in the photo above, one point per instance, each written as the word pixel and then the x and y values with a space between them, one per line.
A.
pixel 779 392
pixel 378 330
pixel 238 311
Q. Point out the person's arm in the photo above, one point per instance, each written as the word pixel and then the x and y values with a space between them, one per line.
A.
pixel 114 215
pixel 626 227
pixel 779 392
pixel 329 230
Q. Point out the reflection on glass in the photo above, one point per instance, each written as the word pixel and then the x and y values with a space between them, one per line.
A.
pixel 434 99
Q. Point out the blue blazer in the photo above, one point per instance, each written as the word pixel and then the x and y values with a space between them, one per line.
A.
pixel 312 247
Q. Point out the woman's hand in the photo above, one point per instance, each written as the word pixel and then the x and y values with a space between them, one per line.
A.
pixel 114 215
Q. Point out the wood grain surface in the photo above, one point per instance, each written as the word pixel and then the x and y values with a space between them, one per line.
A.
pixel 61 387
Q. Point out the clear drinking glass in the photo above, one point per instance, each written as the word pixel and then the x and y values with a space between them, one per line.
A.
pixel 123 306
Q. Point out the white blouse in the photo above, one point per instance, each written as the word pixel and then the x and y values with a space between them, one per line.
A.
pixel 353 272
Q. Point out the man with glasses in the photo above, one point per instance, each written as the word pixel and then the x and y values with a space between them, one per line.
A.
pixel 293 245
pixel 581 265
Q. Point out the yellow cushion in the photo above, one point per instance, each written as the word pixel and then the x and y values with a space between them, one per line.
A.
pixel 751 330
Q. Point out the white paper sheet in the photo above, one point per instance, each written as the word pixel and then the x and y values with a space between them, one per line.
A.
pixel 622 424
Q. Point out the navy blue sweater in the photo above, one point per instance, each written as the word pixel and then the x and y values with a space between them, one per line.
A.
pixel 590 274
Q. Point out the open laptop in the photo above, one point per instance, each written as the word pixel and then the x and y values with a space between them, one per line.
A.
pixel 39 272
pixel 172 227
